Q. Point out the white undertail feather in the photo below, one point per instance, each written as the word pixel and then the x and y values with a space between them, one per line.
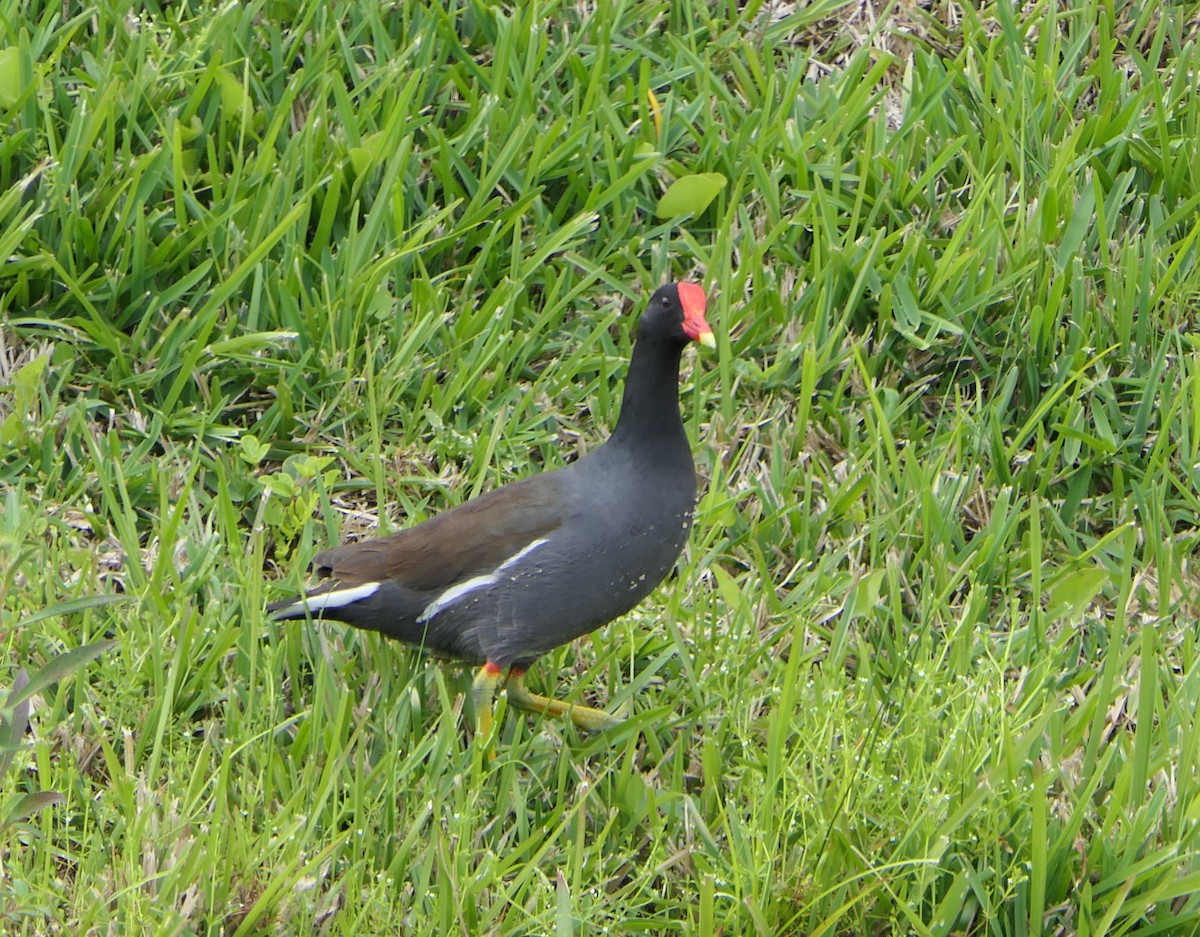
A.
pixel 337 598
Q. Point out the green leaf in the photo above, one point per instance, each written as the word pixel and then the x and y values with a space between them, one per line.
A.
pixel 13 726
pixel 564 922
pixel 59 667
pixel 690 195
pixel 309 466
pixel 253 450
pixel 730 592
pixel 1075 591
pixel 864 597
pixel 235 102
pixel 280 484
pixel 12 429
pixel 30 804
pixel 72 606
pixel 27 380
pixel 369 153
pixel 11 87
pixel 246 346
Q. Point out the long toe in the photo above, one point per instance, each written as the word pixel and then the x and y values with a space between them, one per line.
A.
pixel 593 720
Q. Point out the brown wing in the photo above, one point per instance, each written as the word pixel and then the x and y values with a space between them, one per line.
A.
pixel 469 540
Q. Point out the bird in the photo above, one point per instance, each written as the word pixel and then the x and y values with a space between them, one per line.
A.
pixel 502 579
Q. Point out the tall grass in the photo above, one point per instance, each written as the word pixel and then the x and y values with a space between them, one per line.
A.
pixel 276 273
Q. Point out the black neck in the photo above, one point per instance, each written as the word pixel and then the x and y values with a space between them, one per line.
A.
pixel 650 405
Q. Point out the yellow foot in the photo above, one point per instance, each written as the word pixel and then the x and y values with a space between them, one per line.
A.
pixel 593 720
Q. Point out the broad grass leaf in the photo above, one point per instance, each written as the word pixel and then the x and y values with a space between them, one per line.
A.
pixel 59 667
pixel 690 195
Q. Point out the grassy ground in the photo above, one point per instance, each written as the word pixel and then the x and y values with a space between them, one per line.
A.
pixel 930 665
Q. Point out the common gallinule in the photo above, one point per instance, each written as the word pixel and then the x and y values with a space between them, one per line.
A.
pixel 503 579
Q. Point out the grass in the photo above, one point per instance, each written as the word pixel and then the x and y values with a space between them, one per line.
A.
pixel 274 270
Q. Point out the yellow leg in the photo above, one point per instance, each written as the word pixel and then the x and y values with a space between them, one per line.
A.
pixel 483 695
pixel 594 720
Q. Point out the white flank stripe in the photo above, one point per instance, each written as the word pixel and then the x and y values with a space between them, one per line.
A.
pixel 512 560
pixel 456 592
pixel 453 594
pixel 338 598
